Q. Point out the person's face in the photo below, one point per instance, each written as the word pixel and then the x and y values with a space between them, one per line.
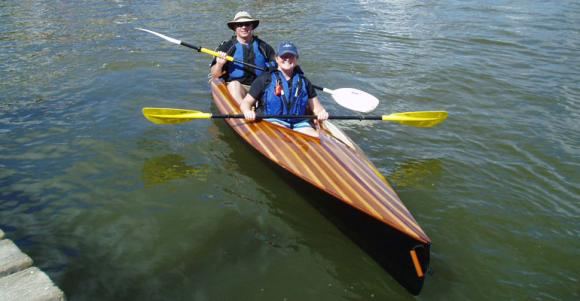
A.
pixel 244 30
pixel 287 61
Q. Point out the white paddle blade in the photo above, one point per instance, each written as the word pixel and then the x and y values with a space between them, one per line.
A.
pixel 170 39
pixel 355 100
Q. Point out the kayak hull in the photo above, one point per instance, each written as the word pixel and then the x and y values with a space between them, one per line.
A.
pixel 351 192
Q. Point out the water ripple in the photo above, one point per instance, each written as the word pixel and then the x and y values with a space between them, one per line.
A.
pixel 494 185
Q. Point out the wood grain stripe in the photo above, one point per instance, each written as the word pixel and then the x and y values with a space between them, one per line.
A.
pixel 343 189
pixel 292 149
pixel 245 129
pixel 390 204
pixel 331 186
pixel 379 189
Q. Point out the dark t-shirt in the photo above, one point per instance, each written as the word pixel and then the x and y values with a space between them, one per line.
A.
pixel 261 83
pixel 250 74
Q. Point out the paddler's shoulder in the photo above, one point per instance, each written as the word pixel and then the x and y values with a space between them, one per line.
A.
pixel 256 38
pixel 225 45
pixel 265 48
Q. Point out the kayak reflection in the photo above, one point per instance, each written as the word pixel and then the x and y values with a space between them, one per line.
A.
pixel 162 169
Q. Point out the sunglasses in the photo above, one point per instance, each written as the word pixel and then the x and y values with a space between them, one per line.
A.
pixel 287 56
pixel 248 24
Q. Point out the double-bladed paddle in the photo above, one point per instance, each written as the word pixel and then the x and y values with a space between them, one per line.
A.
pixel 349 98
pixel 172 116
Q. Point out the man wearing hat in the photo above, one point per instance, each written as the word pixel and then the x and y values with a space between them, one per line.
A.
pixel 243 46
pixel 285 91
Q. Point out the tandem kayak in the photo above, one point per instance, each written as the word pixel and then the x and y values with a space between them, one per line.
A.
pixel 336 166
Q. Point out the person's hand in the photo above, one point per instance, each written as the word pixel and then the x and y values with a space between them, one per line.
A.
pixel 322 115
pixel 221 60
pixel 249 115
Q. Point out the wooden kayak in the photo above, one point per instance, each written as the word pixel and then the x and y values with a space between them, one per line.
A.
pixel 335 165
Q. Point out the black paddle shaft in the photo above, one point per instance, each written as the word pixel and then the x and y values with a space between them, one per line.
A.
pixel 190 46
pixel 347 117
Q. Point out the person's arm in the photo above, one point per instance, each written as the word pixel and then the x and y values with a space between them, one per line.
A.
pixel 246 107
pixel 314 103
pixel 255 93
pixel 317 108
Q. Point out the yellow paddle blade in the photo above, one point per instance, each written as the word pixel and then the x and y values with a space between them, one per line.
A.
pixel 173 116
pixel 424 119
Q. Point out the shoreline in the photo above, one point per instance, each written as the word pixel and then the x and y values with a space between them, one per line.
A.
pixel 19 279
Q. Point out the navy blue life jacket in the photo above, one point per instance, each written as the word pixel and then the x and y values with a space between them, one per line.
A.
pixel 243 53
pixel 290 102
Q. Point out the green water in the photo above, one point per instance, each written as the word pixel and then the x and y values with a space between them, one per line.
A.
pixel 115 208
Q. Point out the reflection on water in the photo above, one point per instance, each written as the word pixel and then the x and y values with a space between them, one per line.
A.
pixel 162 169
pixel 413 173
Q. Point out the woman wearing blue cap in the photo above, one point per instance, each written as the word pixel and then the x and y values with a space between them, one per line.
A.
pixel 285 91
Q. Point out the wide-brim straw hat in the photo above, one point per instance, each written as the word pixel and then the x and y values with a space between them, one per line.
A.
pixel 243 17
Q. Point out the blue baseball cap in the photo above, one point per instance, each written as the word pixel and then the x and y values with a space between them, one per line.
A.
pixel 287 48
